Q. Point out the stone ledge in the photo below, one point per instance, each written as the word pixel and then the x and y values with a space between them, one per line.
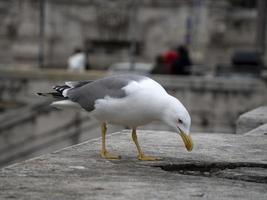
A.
pixel 251 120
pixel 232 84
pixel 261 130
pixel 221 166
pixel 264 75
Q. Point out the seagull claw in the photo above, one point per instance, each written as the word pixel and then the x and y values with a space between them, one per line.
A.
pixel 148 158
pixel 107 155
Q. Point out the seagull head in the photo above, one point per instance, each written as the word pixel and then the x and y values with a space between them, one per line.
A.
pixel 178 119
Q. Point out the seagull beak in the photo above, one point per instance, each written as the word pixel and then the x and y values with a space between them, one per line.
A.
pixel 187 140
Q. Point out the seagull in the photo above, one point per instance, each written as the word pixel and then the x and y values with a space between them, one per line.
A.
pixel 128 100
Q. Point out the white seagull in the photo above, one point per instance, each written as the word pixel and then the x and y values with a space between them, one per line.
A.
pixel 129 100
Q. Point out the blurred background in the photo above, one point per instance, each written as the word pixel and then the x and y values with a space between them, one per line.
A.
pixel 209 54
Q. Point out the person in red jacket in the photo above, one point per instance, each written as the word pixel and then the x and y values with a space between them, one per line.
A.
pixel 170 57
pixel 182 66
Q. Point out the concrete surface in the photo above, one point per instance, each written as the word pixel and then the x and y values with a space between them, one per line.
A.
pixel 221 166
pixel 251 120
pixel 261 130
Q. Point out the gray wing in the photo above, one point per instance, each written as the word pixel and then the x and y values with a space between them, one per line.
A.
pixel 87 94
pixel 75 84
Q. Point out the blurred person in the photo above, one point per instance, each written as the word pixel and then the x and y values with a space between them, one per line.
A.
pixel 170 56
pixel 182 64
pixel 77 61
pixel 159 66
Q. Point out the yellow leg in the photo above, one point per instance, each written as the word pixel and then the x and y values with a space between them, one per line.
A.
pixel 141 155
pixel 104 152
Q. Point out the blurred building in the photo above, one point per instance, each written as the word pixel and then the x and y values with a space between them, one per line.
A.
pixel 110 30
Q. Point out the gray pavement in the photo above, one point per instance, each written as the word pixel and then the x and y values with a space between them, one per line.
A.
pixel 221 166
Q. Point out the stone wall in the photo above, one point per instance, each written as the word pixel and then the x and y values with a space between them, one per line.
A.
pixel 106 28
pixel 38 128
pixel 215 103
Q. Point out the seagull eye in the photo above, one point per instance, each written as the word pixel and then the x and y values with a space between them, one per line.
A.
pixel 180 121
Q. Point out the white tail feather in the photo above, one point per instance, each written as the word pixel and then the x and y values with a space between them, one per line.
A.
pixel 65 92
pixel 65 104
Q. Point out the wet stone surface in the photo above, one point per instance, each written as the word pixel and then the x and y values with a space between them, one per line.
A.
pixel 251 172
pixel 221 166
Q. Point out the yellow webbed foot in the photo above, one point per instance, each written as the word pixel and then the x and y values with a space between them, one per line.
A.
pixel 107 155
pixel 148 158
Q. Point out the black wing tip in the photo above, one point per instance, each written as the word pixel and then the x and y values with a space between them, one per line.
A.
pixel 39 94
pixel 42 94
pixel 55 95
pixel 55 87
pixel 60 89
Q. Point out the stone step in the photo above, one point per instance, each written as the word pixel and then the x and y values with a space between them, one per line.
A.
pixel 251 120
pixel 261 130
